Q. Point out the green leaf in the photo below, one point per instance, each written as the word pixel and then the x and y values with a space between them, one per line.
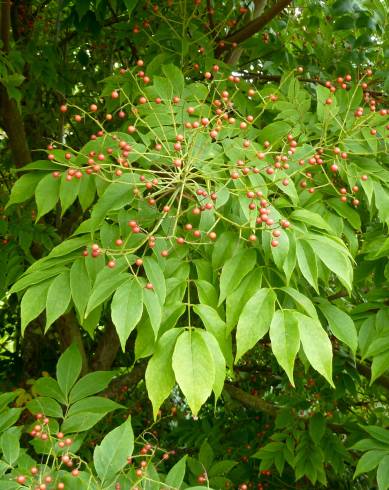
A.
pixel 206 455
pixel 9 418
pixel 367 445
pixel 317 427
pixel 9 443
pixel 175 77
pixel 68 246
pixel 80 286
pixel 236 301
pixel 90 384
pixel 209 316
pixel 69 368
pixel 153 308
pixel 379 366
pixel 234 271
pixel 383 473
pixel 127 308
pixel 29 279
pixel 281 252
pixel 24 188
pixel 46 195
pixel 93 404
pixel 316 344
pixel 381 196
pixel 221 467
pixel 33 303
pixel 176 474
pixel 341 324
pixel 307 263
pixel 218 360
pixel 130 5
pixel 311 219
pixel 301 300
pixel 106 283
pixel 225 247
pixel 369 461
pixel 81 422
pixel 155 275
pixel 194 368
pixel 337 262
pixel 48 386
pixel 58 298
pixel 111 455
pixel 145 340
pixel 344 210
pixel 254 321
pixel 6 398
pixel 68 192
pixel 207 293
pixel 379 433
pixel 285 340
pixel 87 191
pixel 274 132
pixel 48 406
pixel 159 373
pixel 217 327
pixel 117 195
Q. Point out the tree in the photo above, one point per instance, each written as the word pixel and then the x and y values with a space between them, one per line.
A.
pixel 211 217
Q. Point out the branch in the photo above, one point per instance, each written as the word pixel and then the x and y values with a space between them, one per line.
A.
pixel 107 349
pixel 39 8
pixel 130 379
pixel 365 370
pixel 69 332
pixel 236 53
pixel 107 23
pixel 210 15
pixel 255 25
pixel 250 401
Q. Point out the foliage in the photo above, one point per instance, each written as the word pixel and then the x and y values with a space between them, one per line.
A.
pixel 216 209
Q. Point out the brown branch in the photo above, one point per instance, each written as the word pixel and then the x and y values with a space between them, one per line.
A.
pixel 69 332
pixel 236 53
pixel 210 15
pixel 107 349
pixel 254 26
pixel 107 23
pixel 365 370
pixel 130 379
pixel 250 401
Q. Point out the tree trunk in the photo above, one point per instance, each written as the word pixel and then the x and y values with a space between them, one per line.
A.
pixel 10 117
pixel 107 349
pixel 69 332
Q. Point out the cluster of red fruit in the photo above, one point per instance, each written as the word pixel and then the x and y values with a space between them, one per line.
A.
pixel 177 163
pixel 41 431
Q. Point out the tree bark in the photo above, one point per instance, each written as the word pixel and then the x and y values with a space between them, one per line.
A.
pixel 130 379
pixel 107 349
pixel 250 401
pixel 69 332
pixel 254 26
pixel 237 52
pixel 10 117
